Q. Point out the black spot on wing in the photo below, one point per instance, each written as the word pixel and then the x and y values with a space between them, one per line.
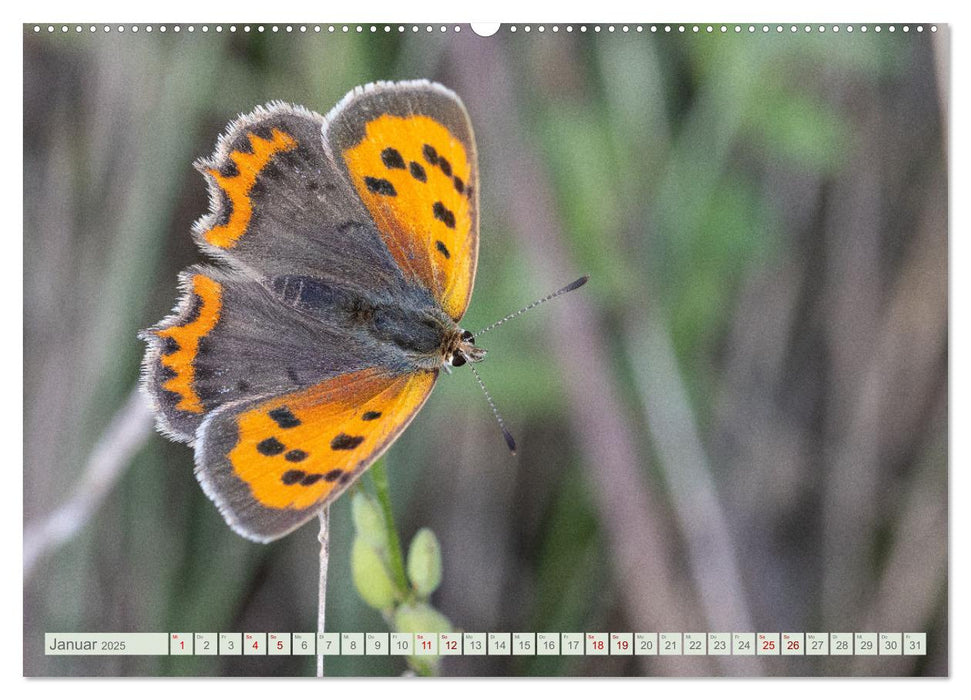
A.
pixel 264 132
pixel 296 476
pixel 443 214
pixel 284 417
pixel 169 345
pixel 229 169
pixel 371 415
pixel 392 159
pixel 270 447
pixel 292 477
pixel 442 249
pixel 380 186
pixel 343 441
pixel 418 172
pixel 243 144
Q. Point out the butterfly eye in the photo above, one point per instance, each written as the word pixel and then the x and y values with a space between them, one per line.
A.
pixel 468 337
pixel 458 359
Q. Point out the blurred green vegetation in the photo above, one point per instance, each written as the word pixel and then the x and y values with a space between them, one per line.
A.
pixel 774 204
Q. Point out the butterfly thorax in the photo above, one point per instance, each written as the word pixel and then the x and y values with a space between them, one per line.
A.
pixel 430 338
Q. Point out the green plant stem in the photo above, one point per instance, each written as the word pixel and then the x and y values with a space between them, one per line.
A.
pixel 379 475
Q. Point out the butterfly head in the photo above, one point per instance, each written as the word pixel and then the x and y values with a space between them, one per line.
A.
pixel 461 348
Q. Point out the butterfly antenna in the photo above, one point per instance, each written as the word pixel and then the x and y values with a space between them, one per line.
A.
pixel 568 288
pixel 502 425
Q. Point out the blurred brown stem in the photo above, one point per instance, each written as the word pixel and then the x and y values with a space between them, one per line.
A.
pixel 913 583
pixel 682 460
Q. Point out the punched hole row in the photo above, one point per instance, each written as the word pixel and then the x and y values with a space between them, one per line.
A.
pixel 486 31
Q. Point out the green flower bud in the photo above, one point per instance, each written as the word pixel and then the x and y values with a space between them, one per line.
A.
pixel 371 576
pixel 425 562
pixel 368 521
pixel 420 618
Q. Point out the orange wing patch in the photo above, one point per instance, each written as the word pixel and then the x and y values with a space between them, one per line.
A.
pixel 414 178
pixel 305 448
pixel 180 344
pixel 237 185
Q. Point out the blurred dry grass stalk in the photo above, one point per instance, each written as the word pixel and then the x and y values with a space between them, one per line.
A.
pixel 740 424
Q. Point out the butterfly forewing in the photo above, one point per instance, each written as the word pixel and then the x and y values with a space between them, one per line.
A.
pixel 279 206
pixel 409 152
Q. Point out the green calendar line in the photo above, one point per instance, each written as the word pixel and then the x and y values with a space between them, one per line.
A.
pixel 486 644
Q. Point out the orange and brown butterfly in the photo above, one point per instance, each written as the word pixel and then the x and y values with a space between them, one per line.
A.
pixel 348 247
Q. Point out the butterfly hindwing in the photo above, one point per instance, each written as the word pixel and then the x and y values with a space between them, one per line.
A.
pixel 234 338
pixel 285 401
pixel 271 463
pixel 409 152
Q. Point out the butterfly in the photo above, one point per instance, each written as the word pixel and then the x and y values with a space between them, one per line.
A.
pixel 348 247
